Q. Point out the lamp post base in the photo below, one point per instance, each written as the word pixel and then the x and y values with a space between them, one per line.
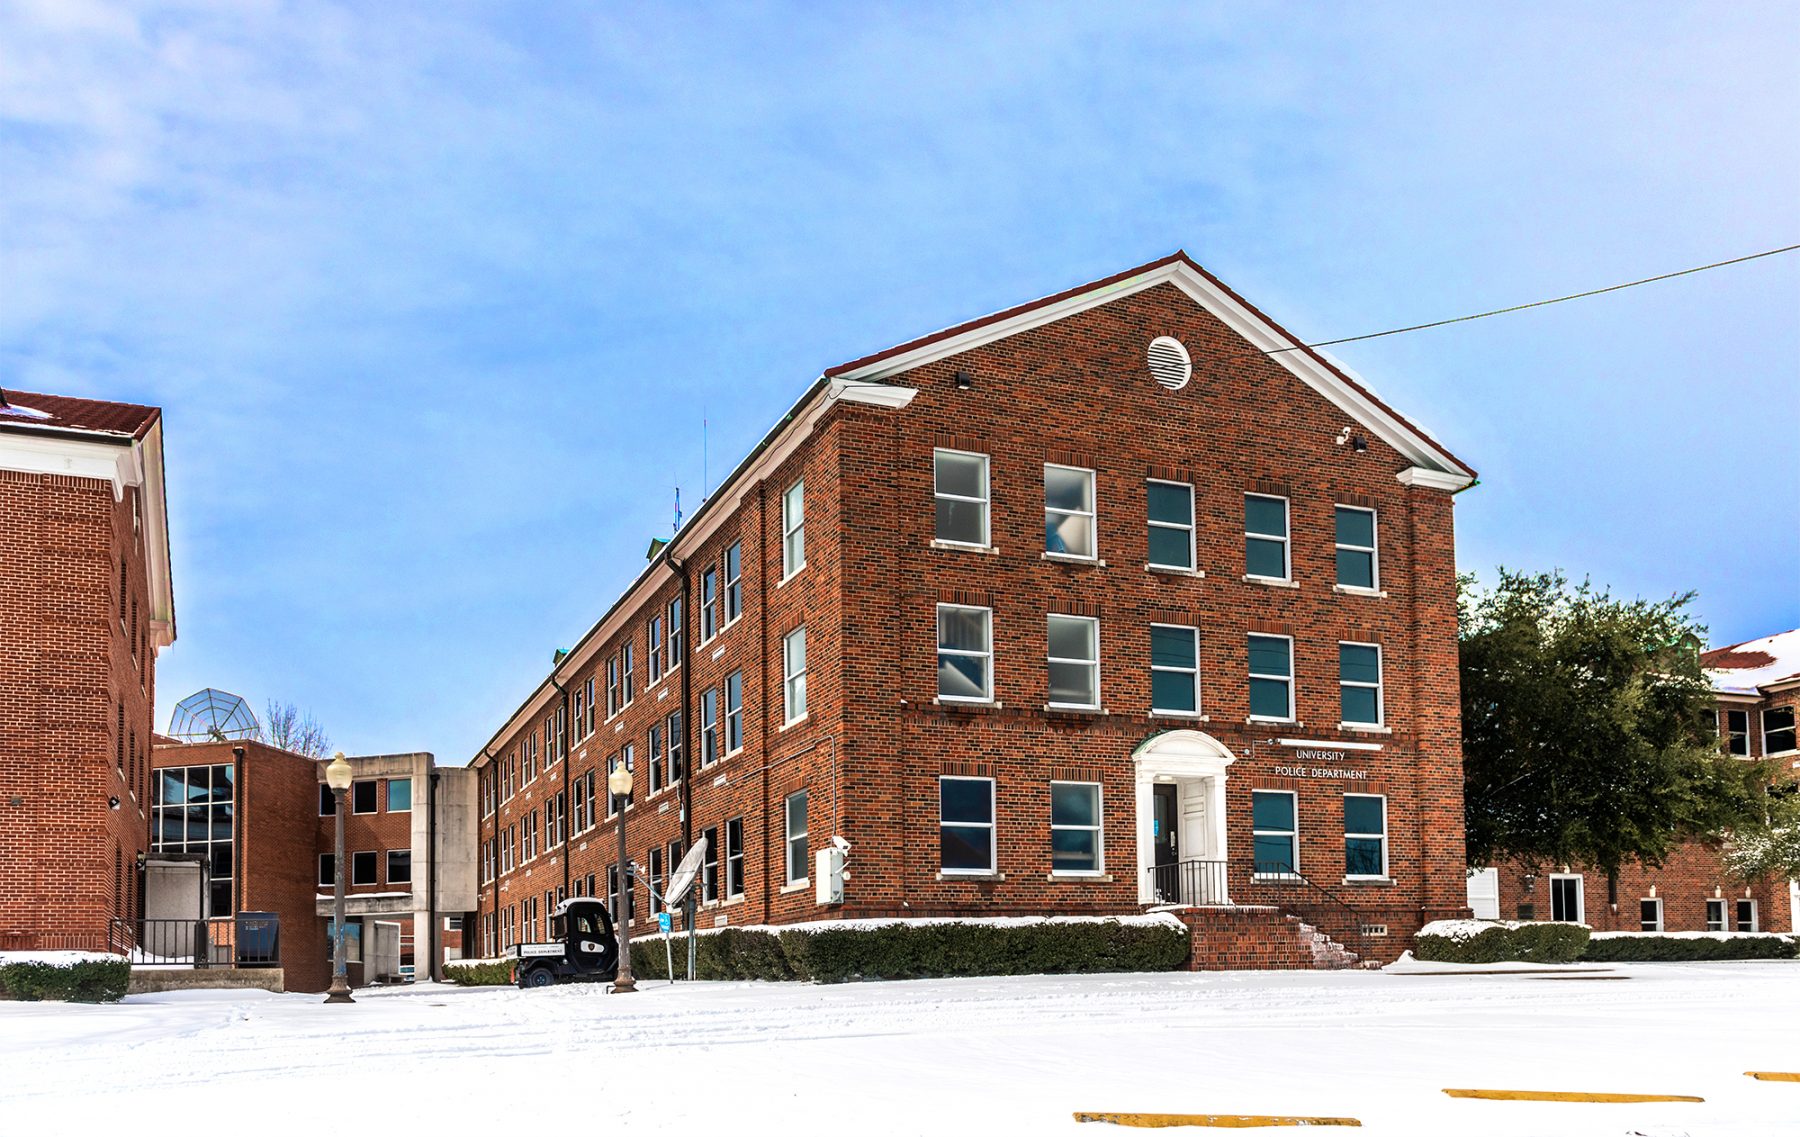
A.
pixel 340 991
pixel 623 985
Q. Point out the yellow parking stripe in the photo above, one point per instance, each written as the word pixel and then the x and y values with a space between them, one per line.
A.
pixel 1213 1120
pixel 1771 1076
pixel 1562 1095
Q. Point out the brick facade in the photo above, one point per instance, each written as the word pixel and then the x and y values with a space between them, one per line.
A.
pixel 85 609
pixel 1068 388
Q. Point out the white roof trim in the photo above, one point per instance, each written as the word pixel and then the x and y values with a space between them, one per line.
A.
pixel 1262 335
pixel 1433 479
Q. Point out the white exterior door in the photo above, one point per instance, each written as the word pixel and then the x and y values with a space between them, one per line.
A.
pixel 1484 893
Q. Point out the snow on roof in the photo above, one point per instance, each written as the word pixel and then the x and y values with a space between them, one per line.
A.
pixel 63 412
pixel 1746 668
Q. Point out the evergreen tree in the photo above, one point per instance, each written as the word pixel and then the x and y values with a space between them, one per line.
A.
pixel 1583 728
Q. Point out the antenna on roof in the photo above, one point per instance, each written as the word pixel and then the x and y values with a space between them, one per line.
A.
pixel 677 526
pixel 705 474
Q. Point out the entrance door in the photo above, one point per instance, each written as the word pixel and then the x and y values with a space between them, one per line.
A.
pixel 1165 844
pixel 1484 893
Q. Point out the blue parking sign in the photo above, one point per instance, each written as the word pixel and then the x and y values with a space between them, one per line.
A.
pixel 664 923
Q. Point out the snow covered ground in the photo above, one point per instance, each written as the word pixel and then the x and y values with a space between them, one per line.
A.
pixel 981 1056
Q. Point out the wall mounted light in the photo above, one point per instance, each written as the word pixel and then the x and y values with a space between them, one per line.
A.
pixel 112 802
pixel 963 380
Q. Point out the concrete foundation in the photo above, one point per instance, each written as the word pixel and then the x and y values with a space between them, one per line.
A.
pixel 151 980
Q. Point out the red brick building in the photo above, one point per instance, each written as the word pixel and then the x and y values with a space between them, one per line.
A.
pixel 87 604
pixel 265 823
pixel 1114 598
pixel 1758 687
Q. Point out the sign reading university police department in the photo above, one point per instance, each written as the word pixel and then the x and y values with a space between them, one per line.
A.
pixel 1331 764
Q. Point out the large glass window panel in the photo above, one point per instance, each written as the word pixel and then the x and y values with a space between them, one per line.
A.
pixel 1074 660
pixel 1272 814
pixel 1171 507
pixel 1266 536
pixel 966 830
pixel 1355 547
pixel 399 795
pixel 1359 681
pixel 1271 677
pixel 1174 669
pixel 793 529
pixel 1069 511
pixel 964 652
pixel 960 487
pixel 1075 827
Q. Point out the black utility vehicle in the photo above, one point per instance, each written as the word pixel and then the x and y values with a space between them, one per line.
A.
pixel 583 948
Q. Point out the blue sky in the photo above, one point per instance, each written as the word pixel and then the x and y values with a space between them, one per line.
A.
pixel 435 296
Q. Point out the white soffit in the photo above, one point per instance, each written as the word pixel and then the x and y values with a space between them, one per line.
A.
pixel 1261 335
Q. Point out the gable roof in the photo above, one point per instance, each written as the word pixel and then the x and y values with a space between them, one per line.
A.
pixel 1754 665
pixel 27 410
pixel 1317 370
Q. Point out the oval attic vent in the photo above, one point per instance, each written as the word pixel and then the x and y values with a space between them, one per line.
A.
pixel 1169 363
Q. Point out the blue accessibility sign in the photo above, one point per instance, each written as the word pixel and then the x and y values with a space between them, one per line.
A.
pixel 663 923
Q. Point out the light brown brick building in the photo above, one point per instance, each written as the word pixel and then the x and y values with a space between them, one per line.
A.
pixel 86 603
pixel 1114 598
pixel 1757 684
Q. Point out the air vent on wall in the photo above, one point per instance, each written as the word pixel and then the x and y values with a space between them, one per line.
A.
pixel 1169 363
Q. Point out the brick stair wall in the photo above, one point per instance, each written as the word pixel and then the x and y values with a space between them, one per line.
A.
pixel 1259 938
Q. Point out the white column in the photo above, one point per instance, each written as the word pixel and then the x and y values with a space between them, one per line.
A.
pixel 1146 843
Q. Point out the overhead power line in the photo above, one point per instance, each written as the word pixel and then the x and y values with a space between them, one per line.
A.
pixel 1536 303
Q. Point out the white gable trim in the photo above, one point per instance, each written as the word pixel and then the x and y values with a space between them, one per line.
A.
pixel 1263 336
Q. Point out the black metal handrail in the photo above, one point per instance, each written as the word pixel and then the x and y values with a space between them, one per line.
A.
pixel 1202 883
pixel 249 939
pixel 1326 911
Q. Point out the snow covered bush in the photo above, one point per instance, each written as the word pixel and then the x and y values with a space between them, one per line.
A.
pixel 63 976
pixel 1499 941
pixel 1683 947
pixel 479 972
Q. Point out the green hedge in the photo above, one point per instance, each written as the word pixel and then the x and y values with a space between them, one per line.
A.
pixel 479 972
pixel 89 981
pixel 1502 942
pixel 920 951
pixel 1648 947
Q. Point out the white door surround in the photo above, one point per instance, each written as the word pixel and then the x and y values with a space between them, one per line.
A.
pixel 1195 763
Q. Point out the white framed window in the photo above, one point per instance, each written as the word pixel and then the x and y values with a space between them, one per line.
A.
pixel 966 825
pixel 734 857
pixel 627 671
pixel 795 810
pixel 612 686
pixel 1272 678
pixel 1174 669
pixel 365 797
pixel 1746 915
pixel 675 635
pixel 960 487
pixel 364 868
pixel 965 653
pixel 327 869
pixel 1076 828
pixel 1357 563
pixel 653 752
pixel 1069 511
pixel 709 726
pixel 1359 684
pixel 673 729
pixel 1737 733
pixel 1171 520
pixel 793 529
pixel 654 660
pixel 1266 537
pixel 1778 730
pixel 709 865
pixel 589 690
pixel 734 712
pixel 579 702
pixel 1715 915
pixel 709 604
pixel 1650 914
pixel 1274 834
pixel 1365 836
pixel 793 676
pixel 399 795
pixel 734 581
pixel 1567 902
pixel 1074 661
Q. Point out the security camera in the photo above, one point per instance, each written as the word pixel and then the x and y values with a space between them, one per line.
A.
pixel 841 845
pixel 1343 436
pixel 112 803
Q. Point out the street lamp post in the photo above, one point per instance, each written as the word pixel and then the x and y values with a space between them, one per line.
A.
pixel 337 776
pixel 619 782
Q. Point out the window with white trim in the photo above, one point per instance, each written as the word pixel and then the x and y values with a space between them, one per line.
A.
pixel 1715 915
pixel 1365 836
pixel 612 686
pixel 1566 899
pixel 734 712
pixel 628 671
pixel 673 727
pixel 960 488
pixel 1356 556
pixel 1272 678
pixel 1069 511
pixel 1174 669
pixel 709 726
pixel 965 654
pixel 794 808
pixel 1359 683
pixel 1266 536
pixel 709 865
pixel 793 676
pixel 793 529
pixel 1746 915
pixel 578 699
pixel 1274 836
pixel 1650 914
pixel 654 660
pixel 1076 826
pixel 1074 661
pixel 1737 733
pixel 653 751
pixel 734 857
pixel 1171 520
pixel 1778 730
pixel 709 604
pixel 364 868
pixel 675 639
pixel 966 825
pixel 734 581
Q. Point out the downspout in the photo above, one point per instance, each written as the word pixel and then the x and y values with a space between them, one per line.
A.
pixel 494 769
pixel 431 879
pixel 688 757
pixel 241 794
pixel 562 747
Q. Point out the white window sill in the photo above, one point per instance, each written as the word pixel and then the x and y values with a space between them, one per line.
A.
pixel 1091 877
pixel 1780 753
pixel 718 652
pixel 783 581
pixel 1365 728
pixel 798 886
pixel 953 874
pixel 962 547
pixel 1271 581
pixel 1173 570
pixel 1254 720
pixel 1074 709
pixel 1190 716
pixel 1275 875
pixel 1358 590
pixel 1073 559
pixel 1370 880
pixel 791 723
pixel 951 701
